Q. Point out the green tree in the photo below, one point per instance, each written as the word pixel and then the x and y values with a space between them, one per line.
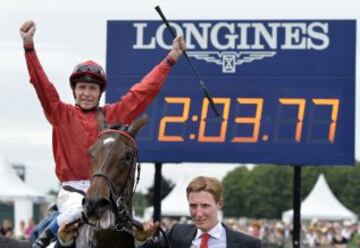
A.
pixel 235 191
pixel 270 191
pixel 261 192
pixel 266 191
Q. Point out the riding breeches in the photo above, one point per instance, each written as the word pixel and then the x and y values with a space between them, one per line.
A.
pixel 69 203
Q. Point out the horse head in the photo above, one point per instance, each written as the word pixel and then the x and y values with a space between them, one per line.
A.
pixel 107 203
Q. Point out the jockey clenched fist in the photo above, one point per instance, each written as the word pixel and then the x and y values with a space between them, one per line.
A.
pixel 178 47
pixel 27 32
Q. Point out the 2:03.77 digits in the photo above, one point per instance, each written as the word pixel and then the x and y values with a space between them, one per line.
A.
pixel 255 120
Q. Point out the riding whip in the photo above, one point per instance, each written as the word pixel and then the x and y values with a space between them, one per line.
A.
pixel 203 86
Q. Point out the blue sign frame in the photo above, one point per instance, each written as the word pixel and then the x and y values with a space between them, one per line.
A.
pixel 285 90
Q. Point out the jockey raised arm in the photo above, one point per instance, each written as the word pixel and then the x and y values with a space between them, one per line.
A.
pixel 76 126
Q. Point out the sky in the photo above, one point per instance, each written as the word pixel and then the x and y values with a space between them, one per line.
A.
pixel 71 31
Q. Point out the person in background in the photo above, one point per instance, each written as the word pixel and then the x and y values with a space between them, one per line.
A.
pixel 75 127
pixel 29 228
pixel 6 228
pixel 22 227
pixel 205 199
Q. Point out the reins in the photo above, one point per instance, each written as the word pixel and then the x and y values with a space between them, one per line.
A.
pixel 121 200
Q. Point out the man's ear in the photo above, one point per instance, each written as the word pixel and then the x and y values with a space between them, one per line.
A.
pixel 220 204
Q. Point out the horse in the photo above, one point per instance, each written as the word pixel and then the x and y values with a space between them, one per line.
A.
pixel 107 205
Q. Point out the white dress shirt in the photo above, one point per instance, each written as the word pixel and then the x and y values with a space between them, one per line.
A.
pixel 217 237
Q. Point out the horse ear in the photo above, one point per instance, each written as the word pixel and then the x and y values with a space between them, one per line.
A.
pixel 137 125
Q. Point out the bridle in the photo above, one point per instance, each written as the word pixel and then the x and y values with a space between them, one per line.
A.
pixel 121 200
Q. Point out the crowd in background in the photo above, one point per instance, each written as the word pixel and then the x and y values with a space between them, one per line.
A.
pixel 7 229
pixel 273 233
pixel 276 234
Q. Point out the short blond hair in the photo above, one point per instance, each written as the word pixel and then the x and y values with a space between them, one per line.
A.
pixel 208 184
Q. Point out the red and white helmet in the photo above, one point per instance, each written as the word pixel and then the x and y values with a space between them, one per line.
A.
pixel 88 71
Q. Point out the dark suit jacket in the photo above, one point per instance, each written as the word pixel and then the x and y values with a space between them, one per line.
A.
pixel 181 236
pixel 13 243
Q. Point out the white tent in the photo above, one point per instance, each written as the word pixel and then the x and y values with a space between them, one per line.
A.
pixel 321 204
pixel 13 189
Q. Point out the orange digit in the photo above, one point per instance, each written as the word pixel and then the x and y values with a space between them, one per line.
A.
pixel 174 119
pixel 334 114
pixel 225 116
pixel 301 102
pixel 255 120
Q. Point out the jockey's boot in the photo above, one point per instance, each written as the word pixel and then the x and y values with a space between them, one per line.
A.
pixel 44 239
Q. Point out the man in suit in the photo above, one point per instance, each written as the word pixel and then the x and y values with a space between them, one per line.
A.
pixel 204 196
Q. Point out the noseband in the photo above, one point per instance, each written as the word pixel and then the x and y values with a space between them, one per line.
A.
pixel 121 200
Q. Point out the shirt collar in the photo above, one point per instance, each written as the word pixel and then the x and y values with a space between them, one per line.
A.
pixel 214 232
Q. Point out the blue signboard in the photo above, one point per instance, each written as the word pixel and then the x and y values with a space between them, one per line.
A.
pixel 285 90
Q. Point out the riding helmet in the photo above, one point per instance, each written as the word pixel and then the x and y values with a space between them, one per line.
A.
pixel 88 71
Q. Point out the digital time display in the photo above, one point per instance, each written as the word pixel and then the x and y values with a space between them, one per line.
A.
pixel 279 101
pixel 253 122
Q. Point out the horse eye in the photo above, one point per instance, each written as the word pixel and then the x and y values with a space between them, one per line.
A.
pixel 128 156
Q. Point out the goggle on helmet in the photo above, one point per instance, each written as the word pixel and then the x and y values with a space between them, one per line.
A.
pixel 88 71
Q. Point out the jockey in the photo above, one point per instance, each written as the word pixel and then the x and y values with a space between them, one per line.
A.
pixel 75 127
